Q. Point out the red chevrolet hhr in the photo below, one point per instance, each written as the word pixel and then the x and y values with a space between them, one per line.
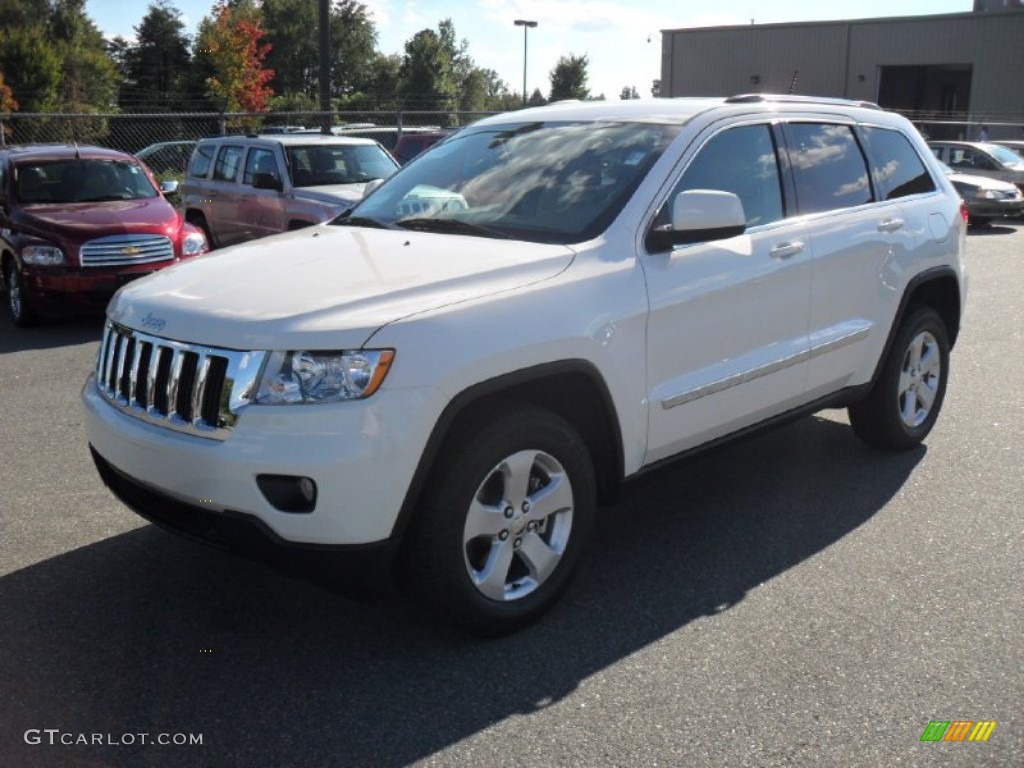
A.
pixel 76 223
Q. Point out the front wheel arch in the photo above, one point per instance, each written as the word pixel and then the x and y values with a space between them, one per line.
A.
pixel 572 388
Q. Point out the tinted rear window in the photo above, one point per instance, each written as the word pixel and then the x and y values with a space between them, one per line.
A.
pixel 896 168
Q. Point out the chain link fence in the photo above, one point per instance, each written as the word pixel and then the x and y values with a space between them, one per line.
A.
pixel 133 132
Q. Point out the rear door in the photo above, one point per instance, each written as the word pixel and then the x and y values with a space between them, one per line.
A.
pixel 858 239
pixel 225 195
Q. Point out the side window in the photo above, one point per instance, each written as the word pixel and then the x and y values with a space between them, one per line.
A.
pixel 742 161
pixel 260 161
pixel 896 168
pixel 980 160
pixel 228 160
pixel 963 158
pixel 828 167
pixel 201 161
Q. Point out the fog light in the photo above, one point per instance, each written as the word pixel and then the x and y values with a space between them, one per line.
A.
pixel 288 493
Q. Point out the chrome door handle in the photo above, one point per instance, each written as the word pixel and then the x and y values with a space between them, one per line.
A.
pixel 890 225
pixel 785 250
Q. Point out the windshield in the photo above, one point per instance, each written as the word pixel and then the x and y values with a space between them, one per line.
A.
pixel 543 182
pixel 82 181
pixel 320 165
pixel 1005 156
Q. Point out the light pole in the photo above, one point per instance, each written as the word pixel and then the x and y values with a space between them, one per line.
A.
pixel 526 28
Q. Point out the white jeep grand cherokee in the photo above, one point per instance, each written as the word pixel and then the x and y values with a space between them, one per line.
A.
pixel 447 380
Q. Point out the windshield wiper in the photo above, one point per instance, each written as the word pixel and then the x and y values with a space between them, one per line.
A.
pixel 451 226
pixel 101 199
pixel 361 221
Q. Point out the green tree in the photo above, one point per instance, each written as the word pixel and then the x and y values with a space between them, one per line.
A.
pixel 427 80
pixel 353 47
pixel 89 79
pixel 629 92
pixel 23 13
pixel 569 78
pixel 157 66
pixel 382 86
pixel 292 29
pixel 536 99
pixel 31 66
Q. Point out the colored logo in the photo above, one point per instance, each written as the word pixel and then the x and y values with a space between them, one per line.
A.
pixel 958 730
pixel 131 250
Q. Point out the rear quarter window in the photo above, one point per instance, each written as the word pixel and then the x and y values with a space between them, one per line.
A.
pixel 896 168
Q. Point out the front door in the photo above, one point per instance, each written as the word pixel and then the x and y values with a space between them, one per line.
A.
pixel 728 327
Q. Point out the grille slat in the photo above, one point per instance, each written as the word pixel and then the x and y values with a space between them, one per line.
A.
pixel 122 250
pixel 180 386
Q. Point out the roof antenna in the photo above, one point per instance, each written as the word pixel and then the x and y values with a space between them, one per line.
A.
pixel 792 83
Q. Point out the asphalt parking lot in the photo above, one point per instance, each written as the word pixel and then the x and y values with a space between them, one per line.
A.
pixel 794 600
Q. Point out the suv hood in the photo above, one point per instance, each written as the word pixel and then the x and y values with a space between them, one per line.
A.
pixel 332 193
pixel 84 221
pixel 983 182
pixel 325 287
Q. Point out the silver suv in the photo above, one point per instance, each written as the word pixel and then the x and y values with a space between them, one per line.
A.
pixel 238 188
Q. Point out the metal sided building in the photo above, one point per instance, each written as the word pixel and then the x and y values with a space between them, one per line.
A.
pixel 955 70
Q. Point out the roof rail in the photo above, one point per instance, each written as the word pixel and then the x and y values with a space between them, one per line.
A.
pixel 751 98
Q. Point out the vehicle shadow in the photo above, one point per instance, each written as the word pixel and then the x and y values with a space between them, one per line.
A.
pixel 50 333
pixel 1002 228
pixel 147 633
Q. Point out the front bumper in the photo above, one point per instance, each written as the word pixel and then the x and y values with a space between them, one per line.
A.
pixel 357 570
pixel 61 289
pixel 361 455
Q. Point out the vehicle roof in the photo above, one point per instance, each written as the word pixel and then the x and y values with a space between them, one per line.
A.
pixel 960 143
pixel 22 152
pixel 160 144
pixel 292 139
pixel 682 109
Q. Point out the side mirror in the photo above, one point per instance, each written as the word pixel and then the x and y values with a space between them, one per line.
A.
pixel 169 187
pixel 267 181
pixel 371 185
pixel 700 215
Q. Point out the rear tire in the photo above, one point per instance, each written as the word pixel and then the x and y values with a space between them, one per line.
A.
pixel 503 523
pixel 905 401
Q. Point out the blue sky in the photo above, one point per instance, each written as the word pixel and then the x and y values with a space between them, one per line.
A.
pixel 621 38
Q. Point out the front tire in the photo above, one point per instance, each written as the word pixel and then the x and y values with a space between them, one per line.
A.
pixel 503 523
pixel 17 301
pixel 905 401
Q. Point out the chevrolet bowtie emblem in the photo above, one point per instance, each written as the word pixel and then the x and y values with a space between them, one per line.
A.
pixel 130 250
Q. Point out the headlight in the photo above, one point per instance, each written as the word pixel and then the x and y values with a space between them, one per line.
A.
pixel 322 377
pixel 42 255
pixel 193 243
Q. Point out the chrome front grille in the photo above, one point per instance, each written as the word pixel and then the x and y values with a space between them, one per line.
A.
pixel 185 387
pixel 121 250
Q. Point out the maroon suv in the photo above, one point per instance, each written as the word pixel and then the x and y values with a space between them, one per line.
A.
pixel 76 223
